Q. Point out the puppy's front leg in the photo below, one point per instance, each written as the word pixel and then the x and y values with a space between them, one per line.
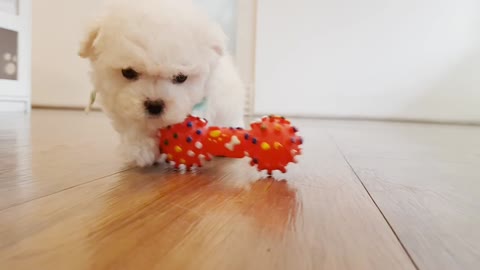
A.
pixel 141 149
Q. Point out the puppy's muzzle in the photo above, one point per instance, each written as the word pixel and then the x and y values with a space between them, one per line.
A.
pixel 154 107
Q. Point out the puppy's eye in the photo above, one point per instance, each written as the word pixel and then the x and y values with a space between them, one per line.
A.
pixel 130 74
pixel 180 78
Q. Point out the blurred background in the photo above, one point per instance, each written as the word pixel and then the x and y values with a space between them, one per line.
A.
pixel 375 59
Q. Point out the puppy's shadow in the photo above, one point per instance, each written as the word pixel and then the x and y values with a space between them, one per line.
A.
pixel 233 173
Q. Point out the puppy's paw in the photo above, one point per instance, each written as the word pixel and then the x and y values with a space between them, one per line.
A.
pixel 143 155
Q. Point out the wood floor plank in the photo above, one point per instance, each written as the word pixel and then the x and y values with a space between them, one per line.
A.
pixel 425 179
pixel 51 151
pixel 225 216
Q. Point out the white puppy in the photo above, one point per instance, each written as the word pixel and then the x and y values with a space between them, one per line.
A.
pixel 152 62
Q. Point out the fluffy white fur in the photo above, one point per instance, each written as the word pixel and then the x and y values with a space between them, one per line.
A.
pixel 160 39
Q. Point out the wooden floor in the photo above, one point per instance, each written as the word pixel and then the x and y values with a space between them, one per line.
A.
pixel 365 195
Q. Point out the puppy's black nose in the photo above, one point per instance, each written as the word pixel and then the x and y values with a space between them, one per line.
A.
pixel 154 107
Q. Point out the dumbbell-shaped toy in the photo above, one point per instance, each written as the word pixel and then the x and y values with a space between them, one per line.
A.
pixel 271 143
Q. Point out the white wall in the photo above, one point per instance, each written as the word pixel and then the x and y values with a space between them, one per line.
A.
pixel 59 76
pixel 410 59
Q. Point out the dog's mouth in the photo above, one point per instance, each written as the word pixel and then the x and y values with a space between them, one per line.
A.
pixel 153 117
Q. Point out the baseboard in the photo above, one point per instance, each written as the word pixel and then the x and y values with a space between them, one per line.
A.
pixel 63 108
pixel 350 118
pixel 380 119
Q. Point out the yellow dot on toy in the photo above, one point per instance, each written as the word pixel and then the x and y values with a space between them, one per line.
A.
pixel 182 161
pixel 265 146
pixel 170 156
pixel 278 127
pixel 215 133
pixel 277 145
pixel 178 149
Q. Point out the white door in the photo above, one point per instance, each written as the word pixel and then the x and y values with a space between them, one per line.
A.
pixel 15 58
pixel 410 59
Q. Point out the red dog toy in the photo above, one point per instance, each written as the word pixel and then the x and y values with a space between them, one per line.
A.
pixel 271 143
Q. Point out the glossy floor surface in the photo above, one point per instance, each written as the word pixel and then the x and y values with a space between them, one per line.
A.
pixel 365 195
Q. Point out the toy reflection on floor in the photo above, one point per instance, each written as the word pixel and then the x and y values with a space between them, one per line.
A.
pixel 271 143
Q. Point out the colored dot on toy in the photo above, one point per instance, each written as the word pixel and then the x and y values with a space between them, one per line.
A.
pixel 189 124
pixel 215 133
pixel 265 146
pixel 239 128
pixel 182 161
pixel 255 160
pixel 263 127
pixel 189 139
pixel 199 132
pixel 178 149
pixel 175 135
pixel 169 127
pixel 254 141
pixel 300 140
pixel 294 129
pixel 190 153
pixel 292 140
pixel 277 145
pixel 165 142
pixel 198 145
pixel 169 156
pixel 278 127
pixel 247 136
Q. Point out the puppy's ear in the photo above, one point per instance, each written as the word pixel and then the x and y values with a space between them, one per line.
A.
pixel 87 46
pixel 220 50
pixel 219 40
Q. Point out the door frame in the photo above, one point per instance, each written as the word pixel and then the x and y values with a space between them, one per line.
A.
pixel 245 48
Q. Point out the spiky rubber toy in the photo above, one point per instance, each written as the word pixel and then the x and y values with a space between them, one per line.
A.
pixel 271 143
